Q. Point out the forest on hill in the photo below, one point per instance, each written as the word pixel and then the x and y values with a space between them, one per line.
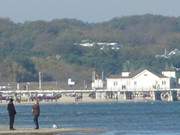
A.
pixel 49 47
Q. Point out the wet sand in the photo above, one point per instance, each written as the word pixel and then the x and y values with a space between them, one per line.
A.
pixel 48 131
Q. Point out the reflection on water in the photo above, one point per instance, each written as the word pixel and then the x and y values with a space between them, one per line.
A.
pixel 117 118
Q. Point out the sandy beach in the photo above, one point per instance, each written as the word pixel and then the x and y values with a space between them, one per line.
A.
pixel 47 131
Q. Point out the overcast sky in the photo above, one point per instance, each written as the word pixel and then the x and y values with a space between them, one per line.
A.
pixel 86 10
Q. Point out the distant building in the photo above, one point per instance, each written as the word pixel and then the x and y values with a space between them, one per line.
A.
pixel 143 80
pixel 70 82
pixel 179 81
pixel 101 45
pixel 97 83
pixel 168 55
pixel 170 74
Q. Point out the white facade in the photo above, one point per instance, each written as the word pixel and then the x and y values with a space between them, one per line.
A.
pixel 144 81
pixel 170 74
pixel 125 74
pixel 179 81
pixel 70 82
pixel 97 83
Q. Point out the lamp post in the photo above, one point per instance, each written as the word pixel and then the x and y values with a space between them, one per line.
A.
pixel 40 81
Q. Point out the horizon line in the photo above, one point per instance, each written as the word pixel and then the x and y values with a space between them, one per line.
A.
pixel 85 21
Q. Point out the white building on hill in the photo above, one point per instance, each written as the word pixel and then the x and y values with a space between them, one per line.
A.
pixel 143 80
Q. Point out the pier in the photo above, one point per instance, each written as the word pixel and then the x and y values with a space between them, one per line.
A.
pixel 143 85
pixel 93 95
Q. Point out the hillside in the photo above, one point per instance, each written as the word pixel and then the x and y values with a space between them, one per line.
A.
pixel 49 47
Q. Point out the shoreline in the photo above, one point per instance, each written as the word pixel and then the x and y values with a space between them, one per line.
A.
pixel 48 131
pixel 84 100
pixel 69 102
pixel 95 101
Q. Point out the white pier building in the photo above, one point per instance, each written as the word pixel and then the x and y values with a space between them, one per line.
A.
pixel 144 80
pixel 143 84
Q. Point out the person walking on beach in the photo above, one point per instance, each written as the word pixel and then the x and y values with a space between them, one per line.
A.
pixel 12 112
pixel 36 113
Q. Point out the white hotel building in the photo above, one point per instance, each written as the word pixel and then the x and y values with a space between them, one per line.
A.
pixel 143 80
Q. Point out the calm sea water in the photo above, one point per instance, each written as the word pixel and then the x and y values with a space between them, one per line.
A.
pixel 116 118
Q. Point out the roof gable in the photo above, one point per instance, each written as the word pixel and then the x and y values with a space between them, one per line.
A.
pixel 137 73
pixel 145 72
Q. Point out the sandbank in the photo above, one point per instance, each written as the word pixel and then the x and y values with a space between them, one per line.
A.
pixel 48 131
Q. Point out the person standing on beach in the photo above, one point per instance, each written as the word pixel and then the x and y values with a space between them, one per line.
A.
pixel 36 113
pixel 12 112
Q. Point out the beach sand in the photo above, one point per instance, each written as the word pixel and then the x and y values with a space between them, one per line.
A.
pixel 48 131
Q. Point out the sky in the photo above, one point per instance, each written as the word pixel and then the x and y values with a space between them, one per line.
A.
pixel 85 10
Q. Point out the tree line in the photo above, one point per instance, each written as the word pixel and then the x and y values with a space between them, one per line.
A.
pixel 29 47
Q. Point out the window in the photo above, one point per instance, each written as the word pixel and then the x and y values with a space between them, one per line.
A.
pixel 163 82
pixel 115 83
pixel 135 83
pixel 123 87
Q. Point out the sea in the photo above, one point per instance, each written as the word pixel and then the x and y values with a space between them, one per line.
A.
pixel 134 118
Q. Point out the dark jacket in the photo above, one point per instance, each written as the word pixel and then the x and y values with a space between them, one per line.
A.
pixel 11 109
pixel 36 110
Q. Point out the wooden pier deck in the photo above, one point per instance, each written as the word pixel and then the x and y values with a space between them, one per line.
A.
pixel 48 131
